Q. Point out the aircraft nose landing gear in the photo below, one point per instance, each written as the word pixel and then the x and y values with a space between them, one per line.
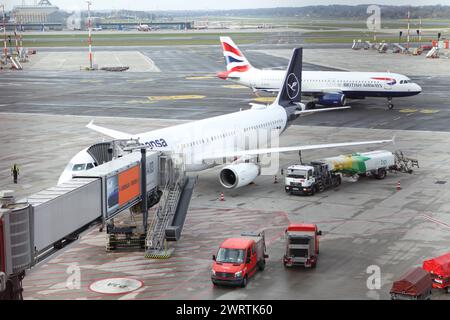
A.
pixel 390 104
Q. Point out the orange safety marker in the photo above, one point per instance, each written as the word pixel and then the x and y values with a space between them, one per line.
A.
pixel 275 180
pixel 398 185
pixel 222 197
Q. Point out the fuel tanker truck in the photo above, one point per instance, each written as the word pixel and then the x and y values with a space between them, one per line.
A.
pixel 327 173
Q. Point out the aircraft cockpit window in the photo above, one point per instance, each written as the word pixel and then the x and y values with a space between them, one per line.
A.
pixel 79 167
pixel 89 166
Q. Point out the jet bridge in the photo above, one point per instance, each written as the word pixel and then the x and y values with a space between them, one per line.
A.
pixel 135 179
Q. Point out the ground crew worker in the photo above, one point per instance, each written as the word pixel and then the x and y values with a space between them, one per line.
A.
pixel 15 172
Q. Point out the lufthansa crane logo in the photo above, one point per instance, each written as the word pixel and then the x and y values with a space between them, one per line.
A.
pixel 292 86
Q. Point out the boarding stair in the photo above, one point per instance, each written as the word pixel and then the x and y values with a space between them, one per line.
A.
pixel 433 53
pixel 398 48
pixel 16 64
pixel 156 235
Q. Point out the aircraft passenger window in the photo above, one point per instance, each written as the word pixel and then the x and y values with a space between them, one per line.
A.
pixel 79 167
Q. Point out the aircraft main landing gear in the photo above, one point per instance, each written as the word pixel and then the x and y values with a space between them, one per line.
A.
pixel 390 104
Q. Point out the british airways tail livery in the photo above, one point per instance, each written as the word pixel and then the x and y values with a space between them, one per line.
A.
pixel 327 88
pixel 203 144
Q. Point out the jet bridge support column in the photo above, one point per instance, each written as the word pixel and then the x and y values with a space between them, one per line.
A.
pixel 144 188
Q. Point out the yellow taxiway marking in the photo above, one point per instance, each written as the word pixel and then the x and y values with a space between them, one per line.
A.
pixel 428 111
pixel 234 86
pixel 90 81
pixel 200 78
pixel 180 97
pixel 425 111
pixel 408 110
pixel 265 99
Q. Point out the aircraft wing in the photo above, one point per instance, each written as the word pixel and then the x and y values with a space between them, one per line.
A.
pixel 320 110
pixel 254 152
pixel 109 132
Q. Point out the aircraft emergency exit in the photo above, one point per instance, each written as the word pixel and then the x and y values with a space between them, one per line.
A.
pixel 328 88
pixel 204 143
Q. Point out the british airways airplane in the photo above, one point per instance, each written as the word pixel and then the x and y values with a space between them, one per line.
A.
pixel 206 142
pixel 328 88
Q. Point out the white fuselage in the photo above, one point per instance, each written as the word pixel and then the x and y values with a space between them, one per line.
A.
pixel 358 84
pixel 195 140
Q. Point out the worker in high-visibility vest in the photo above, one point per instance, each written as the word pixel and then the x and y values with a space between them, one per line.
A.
pixel 15 172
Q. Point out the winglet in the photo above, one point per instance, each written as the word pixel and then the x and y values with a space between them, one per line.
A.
pixel 109 132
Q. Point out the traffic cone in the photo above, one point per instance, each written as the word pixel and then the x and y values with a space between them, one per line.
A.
pixel 222 197
pixel 398 185
pixel 275 180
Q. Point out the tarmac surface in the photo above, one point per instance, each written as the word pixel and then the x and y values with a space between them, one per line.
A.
pixel 365 223
pixel 187 88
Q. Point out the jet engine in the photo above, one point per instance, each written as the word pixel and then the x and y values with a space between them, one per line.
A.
pixel 332 99
pixel 238 175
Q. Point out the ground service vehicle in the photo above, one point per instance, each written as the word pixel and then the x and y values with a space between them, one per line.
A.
pixel 439 269
pixel 325 174
pixel 238 259
pixel 415 284
pixel 302 245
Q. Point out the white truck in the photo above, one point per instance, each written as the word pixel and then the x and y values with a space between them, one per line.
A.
pixel 326 173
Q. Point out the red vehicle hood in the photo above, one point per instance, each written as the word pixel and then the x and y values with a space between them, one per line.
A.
pixel 227 267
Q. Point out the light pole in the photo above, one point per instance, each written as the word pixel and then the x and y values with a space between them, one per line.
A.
pixel 90 35
pixel 5 49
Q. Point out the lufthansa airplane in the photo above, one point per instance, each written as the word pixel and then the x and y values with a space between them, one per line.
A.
pixel 207 141
pixel 328 88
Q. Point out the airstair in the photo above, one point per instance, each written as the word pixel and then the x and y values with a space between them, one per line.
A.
pixel 383 47
pixel 16 64
pixel 398 48
pixel 156 234
pixel 433 53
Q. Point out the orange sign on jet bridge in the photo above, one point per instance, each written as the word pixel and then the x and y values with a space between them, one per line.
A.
pixel 129 185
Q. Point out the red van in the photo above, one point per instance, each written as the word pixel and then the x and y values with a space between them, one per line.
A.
pixel 238 259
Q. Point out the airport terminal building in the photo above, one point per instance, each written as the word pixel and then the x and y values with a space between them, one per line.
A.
pixel 34 17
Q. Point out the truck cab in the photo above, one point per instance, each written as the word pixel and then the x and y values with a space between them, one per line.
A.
pixel 238 259
pixel 439 270
pixel 299 178
pixel 309 179
pixel 302 245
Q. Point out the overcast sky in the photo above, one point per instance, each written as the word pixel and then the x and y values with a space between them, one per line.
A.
pixel 211 4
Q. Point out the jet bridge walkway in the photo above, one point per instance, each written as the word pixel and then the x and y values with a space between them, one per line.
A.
pixel 132 180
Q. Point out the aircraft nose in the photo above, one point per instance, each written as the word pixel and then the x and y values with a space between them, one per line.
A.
pixel 65 176
pixel 418 88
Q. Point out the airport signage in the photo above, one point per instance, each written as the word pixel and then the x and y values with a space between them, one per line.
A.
pixel 122 188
